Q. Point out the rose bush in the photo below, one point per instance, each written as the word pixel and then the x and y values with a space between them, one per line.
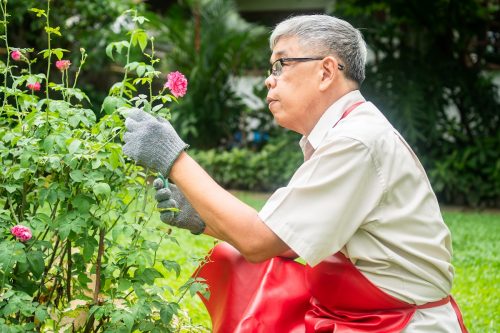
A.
pixel 78 248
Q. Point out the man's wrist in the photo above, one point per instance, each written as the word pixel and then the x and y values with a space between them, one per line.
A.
pixel 176 153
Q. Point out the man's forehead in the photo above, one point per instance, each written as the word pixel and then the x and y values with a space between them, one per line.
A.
pixel 285 46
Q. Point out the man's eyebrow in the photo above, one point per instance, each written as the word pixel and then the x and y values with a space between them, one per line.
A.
pixel 278 54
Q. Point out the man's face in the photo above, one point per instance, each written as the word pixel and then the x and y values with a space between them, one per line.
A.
pixel 294 91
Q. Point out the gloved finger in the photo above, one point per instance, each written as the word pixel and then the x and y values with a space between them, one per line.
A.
pixel 161 119
pixel 139 115
pixel 130 150
pixel 129 137
pixel 178 195
pixel 168 217
pixel 174 188
pixel 163 194
pixel 131 125
pixel 170 205
pixel 158 184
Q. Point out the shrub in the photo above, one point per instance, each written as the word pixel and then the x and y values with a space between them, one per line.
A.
pixel 78 248
pixel 244 168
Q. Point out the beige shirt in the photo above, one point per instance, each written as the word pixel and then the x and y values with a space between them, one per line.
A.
pixel 364 192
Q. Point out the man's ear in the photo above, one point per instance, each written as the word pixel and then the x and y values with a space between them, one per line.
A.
pixel 330 72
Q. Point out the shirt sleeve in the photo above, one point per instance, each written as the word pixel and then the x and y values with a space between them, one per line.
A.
pixel 329 197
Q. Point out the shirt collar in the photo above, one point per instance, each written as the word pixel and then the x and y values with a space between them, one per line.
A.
pixel 330 117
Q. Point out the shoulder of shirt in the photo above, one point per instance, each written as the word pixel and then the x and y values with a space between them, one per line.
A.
pixel 365 124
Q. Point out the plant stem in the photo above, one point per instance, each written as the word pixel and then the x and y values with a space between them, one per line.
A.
pixel 4 15
pixel 154 257
pixel 12 212
pixel 68 273
pixel 58 278
pixel 128 60
pixel 204 261
pixel 151 82
pixel 100 253
pixel 66 72
pixel 4 275
pixel 47 268
pixel 82 61
pixel 49 56
pixel 90 322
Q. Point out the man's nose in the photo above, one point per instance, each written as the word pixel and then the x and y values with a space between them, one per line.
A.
pixel 270 81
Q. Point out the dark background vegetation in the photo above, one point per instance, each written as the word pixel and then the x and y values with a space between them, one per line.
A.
pixel 431 72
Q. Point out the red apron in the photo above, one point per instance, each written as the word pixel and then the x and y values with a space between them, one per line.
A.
pixel 281 296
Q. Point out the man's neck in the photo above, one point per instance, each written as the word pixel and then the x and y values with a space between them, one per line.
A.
pixel 327 99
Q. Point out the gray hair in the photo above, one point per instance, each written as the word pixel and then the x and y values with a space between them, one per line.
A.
pixel 327 35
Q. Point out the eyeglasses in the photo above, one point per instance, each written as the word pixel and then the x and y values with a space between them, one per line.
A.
pixel 277 66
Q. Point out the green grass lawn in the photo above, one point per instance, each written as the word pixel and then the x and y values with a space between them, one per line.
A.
pixel 476 244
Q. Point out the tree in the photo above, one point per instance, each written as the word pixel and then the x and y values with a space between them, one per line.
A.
pixel 429 75
pixel 80 20
pixel 210 43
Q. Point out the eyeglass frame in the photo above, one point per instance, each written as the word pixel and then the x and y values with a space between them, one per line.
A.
pixel 301 59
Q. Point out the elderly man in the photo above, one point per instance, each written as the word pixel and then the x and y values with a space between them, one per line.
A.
pixel 360 210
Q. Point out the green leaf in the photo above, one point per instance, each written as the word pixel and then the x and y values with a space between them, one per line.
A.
pixel 89 246
pixel 36 263
pixel 197 287
pixel 171 265
pixel 109 51
pixel 168 311
pixel 77 176
pixel 74 145
pixel 116 45
pixel 31 79
pixel 41 314
pixel 102 190
pixel 128 320
pixel 55 31
pixel 114 159
pixel 140 37
pixel 141 70
pixel 124 284
pixel 84 279
pixel 45 53
pixel 67 225
pixel 7 262
pixel 149 275
pixel 112 103
pixel 58 54
pixel 82 202
pixel 140 19
pixel 133 65
pixel 11 188
pixel 38 12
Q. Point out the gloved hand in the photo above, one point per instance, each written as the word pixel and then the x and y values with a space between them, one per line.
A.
pixel 171 197
pixel 151 142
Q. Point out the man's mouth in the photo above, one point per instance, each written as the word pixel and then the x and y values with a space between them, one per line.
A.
pixel 270 101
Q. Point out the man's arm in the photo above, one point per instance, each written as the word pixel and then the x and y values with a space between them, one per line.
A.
pixel 226 217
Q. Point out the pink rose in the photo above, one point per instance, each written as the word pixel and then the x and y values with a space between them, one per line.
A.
pixel 34 86
pixel 177 83
pixel 21 232
pixel 16 55
pixel 63 65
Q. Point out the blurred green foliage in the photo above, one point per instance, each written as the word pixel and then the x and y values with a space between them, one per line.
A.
pixel 88 24
pixel 245 168
pixel 431 75
pixel 211 44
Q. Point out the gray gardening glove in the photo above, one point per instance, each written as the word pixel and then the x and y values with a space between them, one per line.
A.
pixel 171 197
pixel 151 142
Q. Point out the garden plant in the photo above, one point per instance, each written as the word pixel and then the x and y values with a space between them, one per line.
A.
pixel 78 246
